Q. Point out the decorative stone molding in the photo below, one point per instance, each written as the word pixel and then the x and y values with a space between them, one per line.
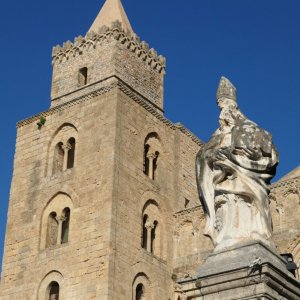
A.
pixel 131 93
pixel 189 211
pixel 106 35
pixel 67 105
pixel 189 134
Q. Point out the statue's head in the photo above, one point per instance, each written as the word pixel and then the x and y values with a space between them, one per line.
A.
pixel 226 93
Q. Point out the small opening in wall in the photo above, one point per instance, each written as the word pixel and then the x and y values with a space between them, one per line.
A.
pixel 53 291
pixel 186 202
pixel 144 237
pixel 65 226
pixel 140 292
pixel 155 164
pixel 51 238
pixel 71 153
pixel 146 160
pixel 58 158
pixel 154 237
pixel 82 76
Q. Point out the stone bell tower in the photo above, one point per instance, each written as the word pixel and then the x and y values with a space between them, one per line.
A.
pixel 98 176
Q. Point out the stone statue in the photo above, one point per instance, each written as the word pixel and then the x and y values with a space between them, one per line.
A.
pixel 233 172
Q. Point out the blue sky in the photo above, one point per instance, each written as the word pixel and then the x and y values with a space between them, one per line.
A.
pixel 255 43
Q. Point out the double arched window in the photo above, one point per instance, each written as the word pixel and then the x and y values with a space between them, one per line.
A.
pixel 151 229
pixel 58 228
pixel 56 221
pixel 62 150
pixel 64 156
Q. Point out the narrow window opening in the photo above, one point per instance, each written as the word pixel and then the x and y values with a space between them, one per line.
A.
pixel 58 161
pixel 53 291
pixel 71 153
pixel 82 76
pixel 51 239
pixel 155 164
pixel 145 233
pixel 65 226
pixel 146 159
pixel 153 237
pixel 140 292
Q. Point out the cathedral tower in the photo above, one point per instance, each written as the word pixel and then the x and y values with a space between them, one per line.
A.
pixel 99 176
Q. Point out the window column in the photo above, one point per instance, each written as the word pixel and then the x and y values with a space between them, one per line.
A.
pixel 149 228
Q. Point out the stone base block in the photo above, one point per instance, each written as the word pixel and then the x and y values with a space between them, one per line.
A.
pixel 251 271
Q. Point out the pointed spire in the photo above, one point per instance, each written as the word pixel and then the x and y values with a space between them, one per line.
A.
pixel 111 11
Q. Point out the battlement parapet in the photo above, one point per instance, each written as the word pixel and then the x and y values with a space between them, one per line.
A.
pixel 106 34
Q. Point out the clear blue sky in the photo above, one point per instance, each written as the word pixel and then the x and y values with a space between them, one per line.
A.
pixel 255 43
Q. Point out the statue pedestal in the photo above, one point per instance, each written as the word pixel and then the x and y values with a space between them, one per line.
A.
pixel 250 271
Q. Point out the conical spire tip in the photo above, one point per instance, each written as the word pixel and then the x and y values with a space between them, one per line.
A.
pixel 111 11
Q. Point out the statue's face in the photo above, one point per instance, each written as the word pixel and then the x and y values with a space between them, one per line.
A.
pixel 224 102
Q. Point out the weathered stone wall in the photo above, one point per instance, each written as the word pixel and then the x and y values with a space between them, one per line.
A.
pixel 285 207
pixel 65 73
pixel 82 262
pixel 134 191
pixel 110 53
pixel 107 192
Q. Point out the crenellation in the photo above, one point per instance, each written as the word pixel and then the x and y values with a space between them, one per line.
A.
pixel 106 34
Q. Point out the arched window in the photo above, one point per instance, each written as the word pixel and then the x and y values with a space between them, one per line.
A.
pixel 145 231
pixel 71 153
pixel 65 225
pixel 58 161
pixel 55 222
pixel 151 154
pixel 53 291
pixel 61 151
pixel 52 230
pixel 141 287
pixel 152 229
pixel 140 292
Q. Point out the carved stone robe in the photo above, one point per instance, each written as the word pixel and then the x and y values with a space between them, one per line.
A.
pixel 233 172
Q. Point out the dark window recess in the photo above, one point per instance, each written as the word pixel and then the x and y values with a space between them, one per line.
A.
pixel 140 293
pixel 65 226
pixel 82 76
pixel 71 153
pixel 54 291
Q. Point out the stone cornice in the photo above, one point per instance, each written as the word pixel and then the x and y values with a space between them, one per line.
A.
pixel 106 34
pixel 183 129
pixel 67 105
pixel 188 211
pixel 131 93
